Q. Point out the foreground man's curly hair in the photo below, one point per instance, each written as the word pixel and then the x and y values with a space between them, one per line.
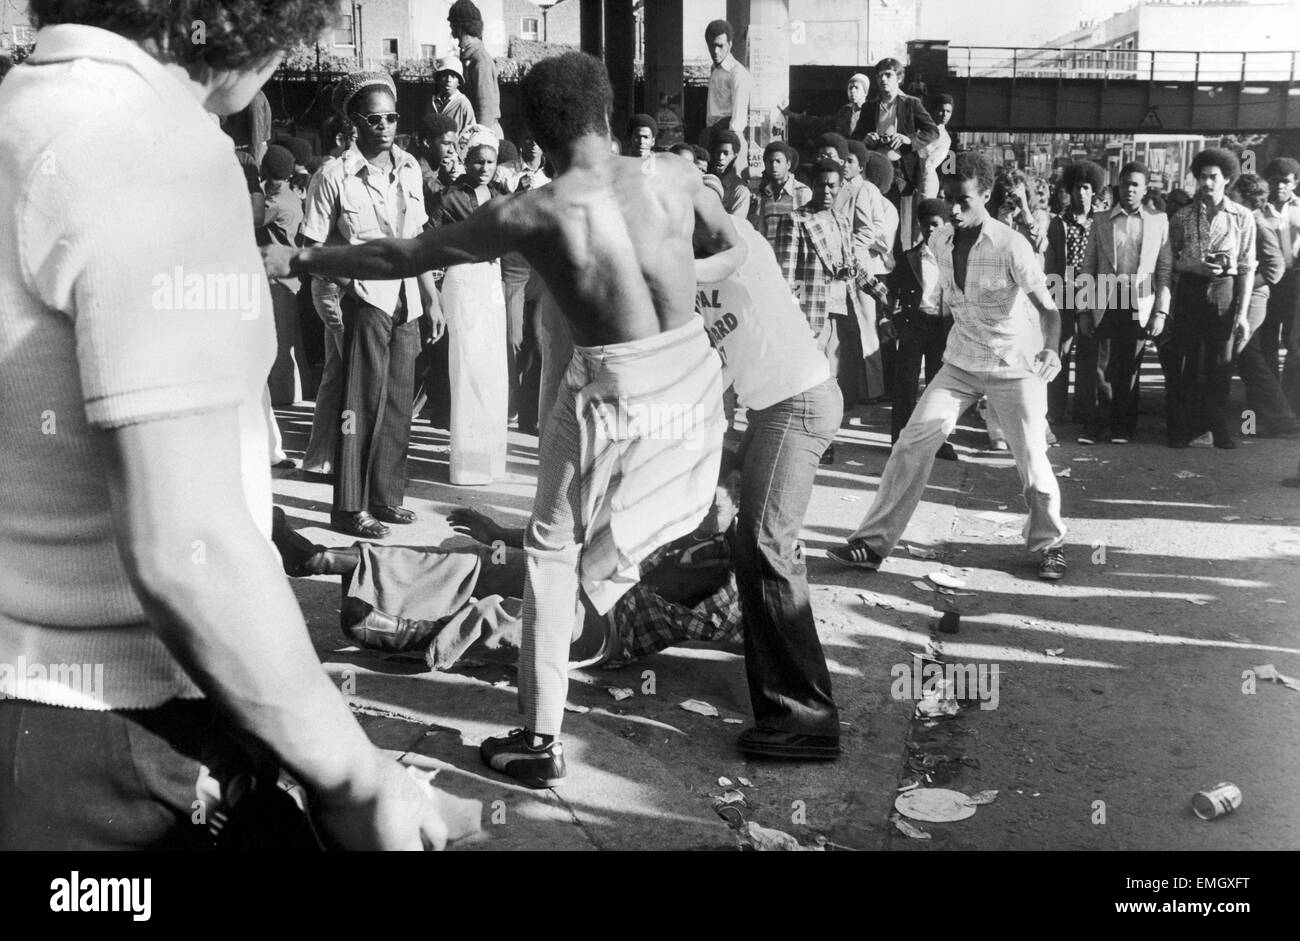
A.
pixel 237 34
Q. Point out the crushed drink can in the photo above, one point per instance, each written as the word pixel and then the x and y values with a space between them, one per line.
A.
pixel 1216 801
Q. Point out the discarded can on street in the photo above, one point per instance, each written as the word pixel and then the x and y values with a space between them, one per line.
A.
pixel 1214 802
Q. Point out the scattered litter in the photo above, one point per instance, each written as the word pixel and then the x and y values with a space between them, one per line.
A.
pixel 1002 507
pixel 945 580
pixel 938 702
pixel 1274 601
pixel 500 683
pixel 1186 475
pixel 1098 690
pixel 1197 601
pixel 908 829
pixel 918 553
pixel 728 798
pixel 699 707
pixel 934 805
pixel 854 464
pixel 759 838
pixel 874 599
pixel 724 782
pixel 851 499
pixel 1239 638
pixel 1216 801
pixel 1084 460
pixel 1054 651
pixel 570 707
pixel 744 782
pixel 922 586
pixel 950 623
pixel 621 693
pixel 1064 473
pixel 1269 672
pixel 734 721
pixel 1231 519
pixel 983 797
pixel 908 787
pixel 972 533
pixel 1037 794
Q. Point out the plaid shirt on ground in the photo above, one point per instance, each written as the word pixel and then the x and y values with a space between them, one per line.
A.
pixel 811 247
pixel 648 623
pixel 996 330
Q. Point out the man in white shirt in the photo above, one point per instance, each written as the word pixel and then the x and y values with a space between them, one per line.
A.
pixel 730 87
pixel 1006 330
pixel 785 382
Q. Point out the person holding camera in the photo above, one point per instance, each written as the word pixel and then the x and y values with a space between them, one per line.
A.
pixel 1213 244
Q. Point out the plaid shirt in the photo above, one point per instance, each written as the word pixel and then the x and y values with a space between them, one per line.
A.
pixel 648 623
pixel 996 330
pixel 1192 234
pixel 811 247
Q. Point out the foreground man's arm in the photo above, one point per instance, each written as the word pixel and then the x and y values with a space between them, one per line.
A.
pixel 215 594
pixel 489 233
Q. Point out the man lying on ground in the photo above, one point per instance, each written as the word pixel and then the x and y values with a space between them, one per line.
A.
pixel 458 600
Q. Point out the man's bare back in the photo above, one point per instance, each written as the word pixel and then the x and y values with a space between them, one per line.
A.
pixel 614 243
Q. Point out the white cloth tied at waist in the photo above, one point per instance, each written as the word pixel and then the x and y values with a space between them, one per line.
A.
pixel 651 426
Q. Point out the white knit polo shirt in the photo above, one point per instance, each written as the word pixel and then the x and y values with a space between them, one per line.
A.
pixel 131 290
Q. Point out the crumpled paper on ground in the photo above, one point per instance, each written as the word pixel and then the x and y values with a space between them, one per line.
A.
pixel 763 839
pixel 1269 672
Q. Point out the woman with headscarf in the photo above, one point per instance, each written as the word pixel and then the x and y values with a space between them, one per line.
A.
pixel 474 303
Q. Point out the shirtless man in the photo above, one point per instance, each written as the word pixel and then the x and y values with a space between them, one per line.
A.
pixel 615 241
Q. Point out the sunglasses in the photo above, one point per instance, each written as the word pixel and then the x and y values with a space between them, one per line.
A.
pixel 378 119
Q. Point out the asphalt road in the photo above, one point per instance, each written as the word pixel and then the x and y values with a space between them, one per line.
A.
pixel 1119 692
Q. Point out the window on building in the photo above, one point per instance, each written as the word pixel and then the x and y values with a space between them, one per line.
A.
pixel 343 35
pixel 389 47
pixel 530 27
pixel 428 53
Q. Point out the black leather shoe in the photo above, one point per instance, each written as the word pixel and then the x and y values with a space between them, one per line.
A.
pixel 769 743
pixel 362 525
pixel 296 551
pixel 1225 443
pixel 1178 443
pixel 828 456
pixel 947 452
pixel 380 631
pixel 393 514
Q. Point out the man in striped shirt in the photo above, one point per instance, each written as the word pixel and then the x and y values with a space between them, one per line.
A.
pixel 1003 345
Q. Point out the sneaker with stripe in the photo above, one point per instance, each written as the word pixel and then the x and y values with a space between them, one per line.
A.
pixel 515 756
pixel 856 555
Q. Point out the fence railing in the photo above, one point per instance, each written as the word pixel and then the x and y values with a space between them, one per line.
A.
pixel 1152 65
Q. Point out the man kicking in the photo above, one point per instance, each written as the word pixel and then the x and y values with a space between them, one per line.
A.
pixel 614 240
pixel 1003 343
